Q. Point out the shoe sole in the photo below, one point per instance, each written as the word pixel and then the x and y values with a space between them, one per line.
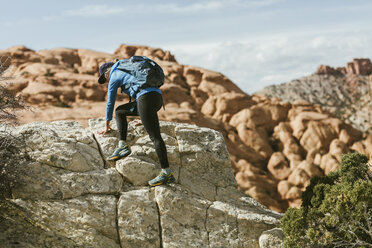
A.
pixel 170 180
pixel 157 184
pixel 115 158
pixel 112 158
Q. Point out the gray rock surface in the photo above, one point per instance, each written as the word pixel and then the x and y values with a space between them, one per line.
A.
pixel 138 219
pixel 272 238
pixel 87 220
pixel 70 197
pixel 61 144
pixel 61 184
pixel 205 164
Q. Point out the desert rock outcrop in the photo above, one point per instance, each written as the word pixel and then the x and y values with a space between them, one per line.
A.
pixel 71 197
pixel 275 147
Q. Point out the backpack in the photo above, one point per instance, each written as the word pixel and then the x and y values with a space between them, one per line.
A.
pixel 146 71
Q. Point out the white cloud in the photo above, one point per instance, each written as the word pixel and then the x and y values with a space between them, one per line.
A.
pixel 18 22
pixel 277 78
pixel 94 11
pixel 175 8
pixel 318 42
pixel 350 7
pixel 258 3
pixel 265 60
pixel 49 18
pixel 209 5
pixel 212 5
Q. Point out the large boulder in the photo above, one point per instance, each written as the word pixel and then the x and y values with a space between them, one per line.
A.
pixel 225 105
pixel 71 197
pixel 127 51
pixel 65 56
pixel 199 171
pixel 272 238
pixel 278 166
pixel 266 116
pixel 319 136
pixel 87 220
pixel 61 144
pixel 91 60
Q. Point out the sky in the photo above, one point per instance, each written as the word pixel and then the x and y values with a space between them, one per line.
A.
pixel 255 43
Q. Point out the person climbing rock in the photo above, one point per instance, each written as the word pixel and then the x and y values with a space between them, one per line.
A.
pixel 139 78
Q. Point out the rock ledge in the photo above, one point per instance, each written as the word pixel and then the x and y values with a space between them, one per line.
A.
pixel 71 197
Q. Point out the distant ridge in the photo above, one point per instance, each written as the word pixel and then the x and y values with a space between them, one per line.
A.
pixel 345 91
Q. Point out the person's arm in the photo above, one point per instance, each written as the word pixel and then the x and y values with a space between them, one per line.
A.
pixel 111 98
pixel 107 128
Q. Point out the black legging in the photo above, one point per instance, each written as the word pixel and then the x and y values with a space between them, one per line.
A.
pixel 146 106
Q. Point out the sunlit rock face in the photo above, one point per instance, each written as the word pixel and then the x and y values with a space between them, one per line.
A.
pixel 71 197
pixel 275 146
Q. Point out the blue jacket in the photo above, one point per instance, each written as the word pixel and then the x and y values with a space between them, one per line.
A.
pixel 128 84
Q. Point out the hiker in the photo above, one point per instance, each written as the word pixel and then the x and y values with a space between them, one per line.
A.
pixel 146 104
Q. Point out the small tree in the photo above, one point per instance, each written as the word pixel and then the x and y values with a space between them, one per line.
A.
pixel 336 209
pixel 12 152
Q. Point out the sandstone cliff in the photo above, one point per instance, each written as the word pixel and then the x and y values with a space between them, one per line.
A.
pixel 275 147
pixel 70 197
pixel 345 91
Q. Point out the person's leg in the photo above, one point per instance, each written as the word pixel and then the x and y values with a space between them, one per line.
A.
pixel 121 113
pixel 148 105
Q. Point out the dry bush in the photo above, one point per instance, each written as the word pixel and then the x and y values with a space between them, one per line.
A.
pixel 12 149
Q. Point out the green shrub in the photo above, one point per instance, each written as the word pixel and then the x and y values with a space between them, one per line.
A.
pixel 336 209
pixel 61 104
pixel 48 73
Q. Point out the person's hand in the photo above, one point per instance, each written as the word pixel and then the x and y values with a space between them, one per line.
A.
pixel 137 122
pixel 107 129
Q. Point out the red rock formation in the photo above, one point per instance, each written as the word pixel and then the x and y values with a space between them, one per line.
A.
pixel 325 69
pixel 275 147
pixel 127 51
pixel 360 67
pixel 357 67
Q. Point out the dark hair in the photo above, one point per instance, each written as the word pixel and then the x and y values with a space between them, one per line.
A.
pixel 102 69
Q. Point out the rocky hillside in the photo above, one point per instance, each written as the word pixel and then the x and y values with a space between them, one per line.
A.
pixel 275 147
pixel 346 92
pixel 69 196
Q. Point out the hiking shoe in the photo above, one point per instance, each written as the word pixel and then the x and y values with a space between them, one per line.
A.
pixel 162 179
pixel 119 153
